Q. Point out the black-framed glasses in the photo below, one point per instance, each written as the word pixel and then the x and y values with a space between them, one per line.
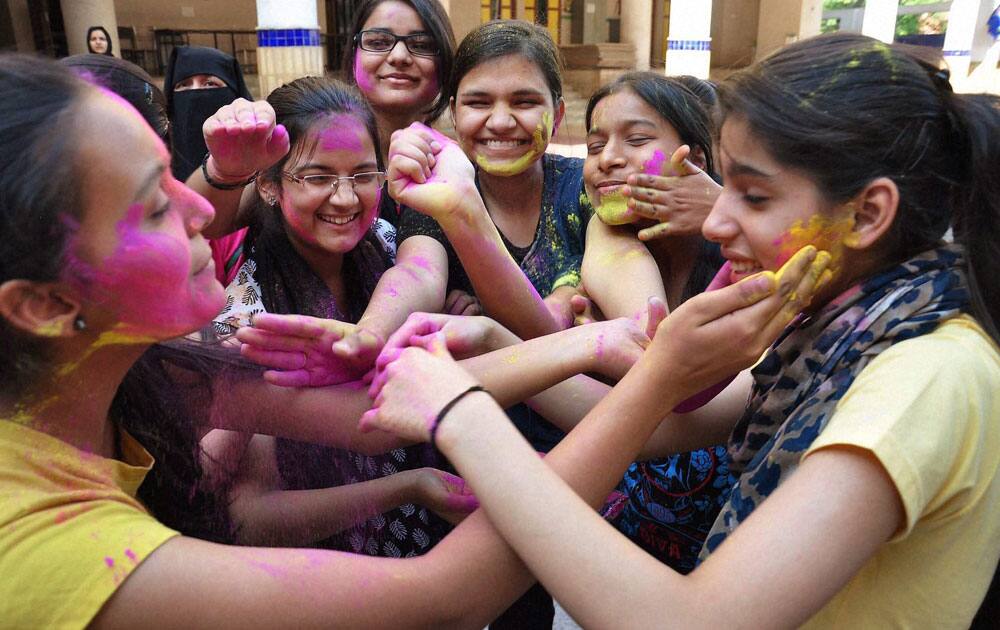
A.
pixel 328 184
pixel 379 41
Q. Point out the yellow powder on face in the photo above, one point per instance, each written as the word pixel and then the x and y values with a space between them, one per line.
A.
pixel 51 329
pixel 539 142
pixel 613 208
pixel 107 338
pixel 830 233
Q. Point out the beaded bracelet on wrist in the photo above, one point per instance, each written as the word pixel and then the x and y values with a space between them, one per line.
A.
pixel 222 185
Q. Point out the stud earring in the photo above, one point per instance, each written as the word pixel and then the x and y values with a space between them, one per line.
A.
pixel 79 324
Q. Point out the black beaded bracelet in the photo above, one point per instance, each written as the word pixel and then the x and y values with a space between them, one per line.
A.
pixel 219 185
pixel 444 410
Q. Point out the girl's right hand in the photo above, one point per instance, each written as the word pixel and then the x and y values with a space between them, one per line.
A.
pixel 243 139
pixel 429 172
pixel 445 494
pixel 719 333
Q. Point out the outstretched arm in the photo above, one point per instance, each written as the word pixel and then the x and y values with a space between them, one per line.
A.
pixel 263 513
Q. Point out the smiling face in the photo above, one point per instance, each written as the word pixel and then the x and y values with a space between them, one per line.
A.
pixel 626 136
pixel 138 262
pixel 396 81
pixel 98 42
pixel 504 115
pixel 320 223
pixel 768 211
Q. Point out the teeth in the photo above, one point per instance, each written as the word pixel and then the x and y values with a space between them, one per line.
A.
pixel 745 267
pixel 337 220
pixel 504 144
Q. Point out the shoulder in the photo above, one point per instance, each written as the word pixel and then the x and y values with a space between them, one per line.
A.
pixel 926 409
pixel 73 533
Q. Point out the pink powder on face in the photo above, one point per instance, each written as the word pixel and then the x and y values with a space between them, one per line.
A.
pixel 361 77
pixel 343 133
pixel 148 279
pixel 654 166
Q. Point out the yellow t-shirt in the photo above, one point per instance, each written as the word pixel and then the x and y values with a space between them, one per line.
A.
pixel 71 529
pixel 929 409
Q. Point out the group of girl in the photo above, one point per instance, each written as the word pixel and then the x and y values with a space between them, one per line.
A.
pixel 352 247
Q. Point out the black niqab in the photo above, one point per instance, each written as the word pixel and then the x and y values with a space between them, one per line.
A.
pixel 189 109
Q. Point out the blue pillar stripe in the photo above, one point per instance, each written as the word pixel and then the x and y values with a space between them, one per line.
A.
pixel 689 44
pixel 956 53
pixel 278 37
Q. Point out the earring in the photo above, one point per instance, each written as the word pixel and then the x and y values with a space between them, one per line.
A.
pixel 79 324
pixel 271 201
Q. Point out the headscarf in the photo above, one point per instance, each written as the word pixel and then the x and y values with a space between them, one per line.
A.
pixel 107 36
pixel 189 109
pixel 128 81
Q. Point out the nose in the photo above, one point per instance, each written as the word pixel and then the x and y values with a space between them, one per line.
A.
pixel 196 210
pixel 612 156
pixel 501 118
pixel 719 225
pixel 344 189
pixel 400 54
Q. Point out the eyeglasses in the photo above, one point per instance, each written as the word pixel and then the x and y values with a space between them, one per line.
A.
pixel 378 41
pixel 328 184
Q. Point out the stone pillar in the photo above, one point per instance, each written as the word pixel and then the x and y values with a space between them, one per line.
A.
pixel 689 39
pixel 288 44
pixel 880 19
pixel 637 29
pixel 782 22
pixel 963 20
pixel 79 15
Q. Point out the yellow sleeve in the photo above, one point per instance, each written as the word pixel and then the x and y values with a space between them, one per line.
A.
pixel 926 409
pixel 62 564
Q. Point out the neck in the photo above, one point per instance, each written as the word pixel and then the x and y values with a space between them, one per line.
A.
pixel 388 122
pixel 516 194
pixel 676 257
pixel 327 265
pixel 73 402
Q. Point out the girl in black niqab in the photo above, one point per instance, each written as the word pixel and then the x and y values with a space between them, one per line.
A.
pixel 189 109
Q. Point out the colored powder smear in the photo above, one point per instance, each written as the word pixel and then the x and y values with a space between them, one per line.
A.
pixel 825 232
pixel 343 133
pixel 613 208
pixel 361 77
pixel 539 142
pixel 654 165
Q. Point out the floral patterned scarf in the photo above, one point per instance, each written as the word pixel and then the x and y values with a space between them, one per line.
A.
pixel 809 369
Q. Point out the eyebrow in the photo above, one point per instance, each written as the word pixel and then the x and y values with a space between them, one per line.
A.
pixel 739 169
pixel 389 31
pixel 324 167
pixel 521 92
pixel 152 180
pixel 627 123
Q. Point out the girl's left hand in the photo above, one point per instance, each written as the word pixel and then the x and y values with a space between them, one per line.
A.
pixel 680 202
pixel 299 349
pixel 412 390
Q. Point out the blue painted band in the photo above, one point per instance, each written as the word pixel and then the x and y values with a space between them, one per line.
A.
pixel 280 37
pixel 956 53
pixel 689 44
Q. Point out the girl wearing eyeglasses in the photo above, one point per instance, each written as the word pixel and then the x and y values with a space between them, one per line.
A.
pixel 313 245
pixel 400 58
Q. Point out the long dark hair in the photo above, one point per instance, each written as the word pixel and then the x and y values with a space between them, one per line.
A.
pixel 39 204
pixel 500 38
pixel 436 21
pixel 846 109
pixel 673 101
pixel 110 51
pixel 39 195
